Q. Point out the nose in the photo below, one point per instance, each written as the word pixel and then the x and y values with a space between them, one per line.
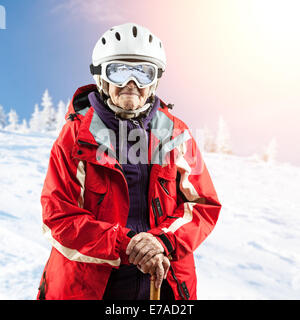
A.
pixel 131 84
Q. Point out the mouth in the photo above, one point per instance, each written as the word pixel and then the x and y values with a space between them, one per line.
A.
pixel 130 93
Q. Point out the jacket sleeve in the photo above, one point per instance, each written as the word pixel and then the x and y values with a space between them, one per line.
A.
pixel 70 228
pixel 198 209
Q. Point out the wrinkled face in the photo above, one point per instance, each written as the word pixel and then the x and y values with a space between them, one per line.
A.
pixel 129 97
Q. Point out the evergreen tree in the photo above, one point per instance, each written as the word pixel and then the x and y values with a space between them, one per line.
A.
pixel 23 127
pixel 60 116
pixel 35 122
pixel 47 113
pixel 12 121
pixel 223 144
pixel 2 118
pixel 209 144
pixel 270 151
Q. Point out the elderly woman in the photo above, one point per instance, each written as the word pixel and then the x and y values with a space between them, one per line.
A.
pixel 127 194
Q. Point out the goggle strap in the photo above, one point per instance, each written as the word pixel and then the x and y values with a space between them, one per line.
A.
pixel 95 70
pixel 159 73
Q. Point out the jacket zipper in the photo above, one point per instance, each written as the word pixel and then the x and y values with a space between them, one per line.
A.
pixel 186 294
pixel 139 123
pixel 178 284
pixel 101 198
pixel 185 290
pixel 162 183
pixel 135 122
pixel 87 143
pixel 42 287
pixel 154 212
pixel 158 206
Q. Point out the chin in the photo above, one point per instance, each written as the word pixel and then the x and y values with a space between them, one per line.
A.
pixel 129 105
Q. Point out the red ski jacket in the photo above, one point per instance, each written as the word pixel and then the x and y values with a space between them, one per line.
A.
pixel 85 204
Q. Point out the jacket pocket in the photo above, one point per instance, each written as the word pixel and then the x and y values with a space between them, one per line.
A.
pixel 96 191
pixel 96 179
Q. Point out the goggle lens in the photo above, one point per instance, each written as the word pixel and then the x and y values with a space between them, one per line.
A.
pixel 119 73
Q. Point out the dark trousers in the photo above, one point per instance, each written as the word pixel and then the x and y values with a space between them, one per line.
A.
pixel 128 283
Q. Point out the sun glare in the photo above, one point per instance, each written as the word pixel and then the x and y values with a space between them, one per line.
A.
pixel 278 19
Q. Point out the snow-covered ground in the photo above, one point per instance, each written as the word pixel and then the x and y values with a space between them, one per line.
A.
pixel 254 250
pixel 23 249
pixel 253 253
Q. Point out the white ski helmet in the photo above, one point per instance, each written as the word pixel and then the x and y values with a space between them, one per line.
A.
pixel 127 41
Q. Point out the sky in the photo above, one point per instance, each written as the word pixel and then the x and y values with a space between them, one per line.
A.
pixel 230 58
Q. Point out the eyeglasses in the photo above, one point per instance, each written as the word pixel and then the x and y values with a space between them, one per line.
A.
pixel 119 73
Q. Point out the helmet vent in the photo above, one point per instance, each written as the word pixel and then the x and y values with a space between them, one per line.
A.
pixel 117 34
pixel 150 38
pixel 103 40
pixel 134 31
pixel 159 43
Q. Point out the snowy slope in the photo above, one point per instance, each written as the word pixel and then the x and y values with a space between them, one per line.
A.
pixel 253 253
pixel 254 250
pixel 23 250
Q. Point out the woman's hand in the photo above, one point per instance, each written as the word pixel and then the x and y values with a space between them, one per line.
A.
pixel 146 252
pixel 143 247
pixel 159 266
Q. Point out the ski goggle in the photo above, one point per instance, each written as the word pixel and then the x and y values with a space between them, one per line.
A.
pixel 119 73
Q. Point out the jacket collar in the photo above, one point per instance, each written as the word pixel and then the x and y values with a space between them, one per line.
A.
pixel 111 120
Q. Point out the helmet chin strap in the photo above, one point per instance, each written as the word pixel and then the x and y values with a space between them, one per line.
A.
pixel 127 114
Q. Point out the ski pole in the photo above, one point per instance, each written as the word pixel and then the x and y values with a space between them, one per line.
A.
pixel 154 292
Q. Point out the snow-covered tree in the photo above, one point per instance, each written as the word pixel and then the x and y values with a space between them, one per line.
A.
pixel 13 120
pixel 270 151
pixel 60 115
pixel 35 122
pixel 23 127
pixel 2 118
pixel 199 138
pixel 209 144
pixel 223 143
pixel 48 113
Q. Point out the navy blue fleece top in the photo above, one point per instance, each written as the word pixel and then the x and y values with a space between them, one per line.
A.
pixel 128 282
